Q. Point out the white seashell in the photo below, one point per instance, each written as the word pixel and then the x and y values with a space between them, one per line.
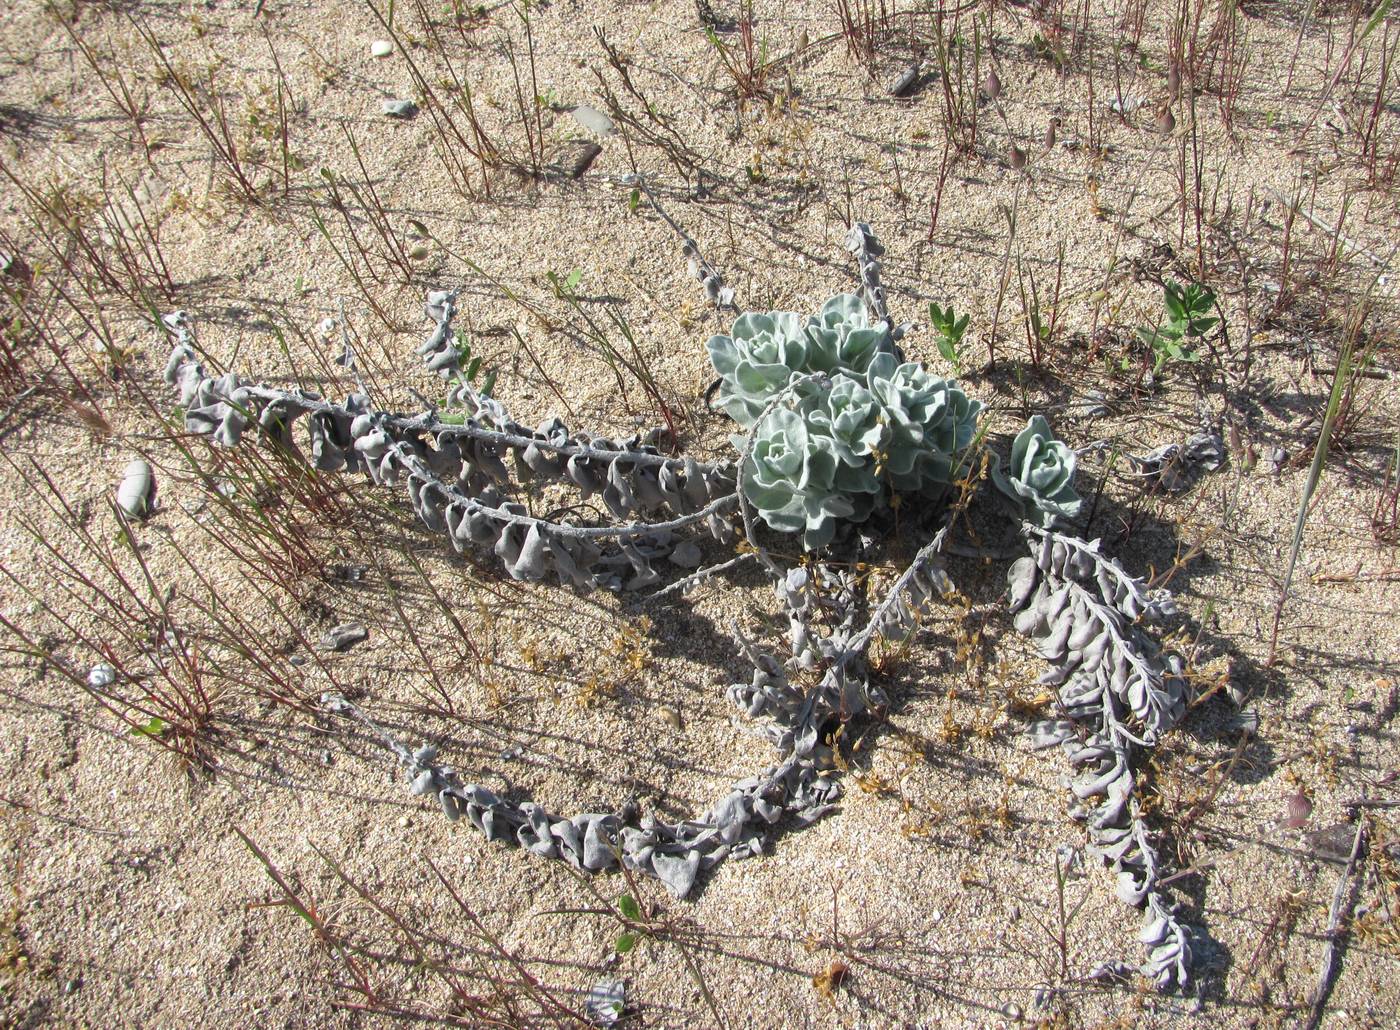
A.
pixel 101 675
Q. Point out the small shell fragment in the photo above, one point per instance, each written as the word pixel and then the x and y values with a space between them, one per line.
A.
pixel 398 108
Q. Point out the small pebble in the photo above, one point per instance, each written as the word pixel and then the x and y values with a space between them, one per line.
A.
pixel 594 120
pixel 344 636
pixel 137 493
pixel 381 48
pixel 687 555
pixel 398 108
pixel 904 82
pixel 297 660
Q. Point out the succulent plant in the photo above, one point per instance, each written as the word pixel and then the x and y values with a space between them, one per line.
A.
pixel 851 416
pixel 931 422
pixel 949 439
pixel 758 359
pixel 1040 476
pixel 842 337
pixel 790 477
pixel 858 421
pixel 764 352
pixel 836 419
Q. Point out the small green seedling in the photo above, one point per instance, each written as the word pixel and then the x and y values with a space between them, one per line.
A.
pixel 153 727
pixel 631 911
pixel 471 367
pixel 950 331
pixel 565 287
pixel 1048 50
pixel 1187 319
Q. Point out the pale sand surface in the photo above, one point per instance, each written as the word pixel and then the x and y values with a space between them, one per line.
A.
pixel 134 903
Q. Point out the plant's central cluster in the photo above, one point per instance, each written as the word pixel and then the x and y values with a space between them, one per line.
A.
pixel 838 421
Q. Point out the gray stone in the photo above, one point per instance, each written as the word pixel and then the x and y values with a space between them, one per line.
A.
pixel 344 636
pixel 687 555
pixel 905 81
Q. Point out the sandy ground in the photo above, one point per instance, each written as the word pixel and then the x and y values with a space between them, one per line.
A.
pixel 132 901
